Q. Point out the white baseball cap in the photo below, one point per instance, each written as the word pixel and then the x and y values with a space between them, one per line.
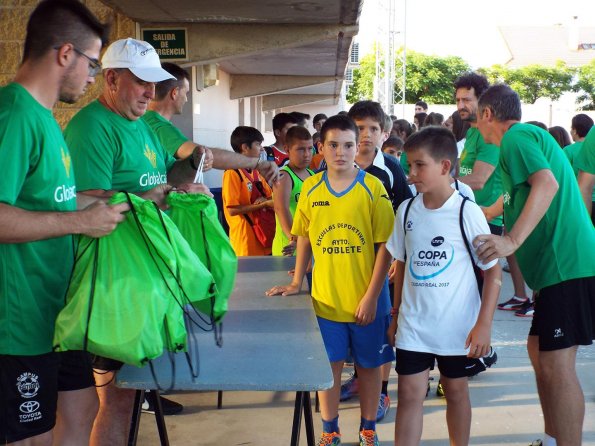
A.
pixel 138 56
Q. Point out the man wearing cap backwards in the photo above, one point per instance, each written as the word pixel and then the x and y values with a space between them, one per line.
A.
pixel 170 97
pixel 113 150
pixel 38 214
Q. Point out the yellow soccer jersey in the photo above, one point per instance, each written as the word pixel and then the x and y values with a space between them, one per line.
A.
pixel 342 228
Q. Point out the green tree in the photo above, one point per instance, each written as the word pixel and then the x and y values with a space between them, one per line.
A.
pixel 362 86
pixel 585 86
pixel 533 81
pixel 429 78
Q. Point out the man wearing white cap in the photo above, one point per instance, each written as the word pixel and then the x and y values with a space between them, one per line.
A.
pixel 113 150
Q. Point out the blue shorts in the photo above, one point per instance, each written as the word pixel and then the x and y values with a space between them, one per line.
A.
pixel 368 344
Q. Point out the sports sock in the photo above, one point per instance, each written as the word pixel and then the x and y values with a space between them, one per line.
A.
pixel 549 440
pixel 367 425
pixel 331 426
pixel 384 387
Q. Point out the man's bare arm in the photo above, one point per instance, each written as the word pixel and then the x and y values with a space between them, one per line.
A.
pixel 481 174
pixel 20 226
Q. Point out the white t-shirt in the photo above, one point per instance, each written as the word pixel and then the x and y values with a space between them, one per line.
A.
pixel 463 189
pixel 440 300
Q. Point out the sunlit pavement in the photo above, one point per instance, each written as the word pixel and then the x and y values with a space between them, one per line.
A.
pixel 504 399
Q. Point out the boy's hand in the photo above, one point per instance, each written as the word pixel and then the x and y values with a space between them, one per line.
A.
pixel 478 341
pixel 392 271
pixel 284 290
pixel 366 311
pixel 289 249
pixel 391 331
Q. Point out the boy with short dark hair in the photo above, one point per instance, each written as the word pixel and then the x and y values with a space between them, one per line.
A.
pixel 319 120
pixel 244 194
pixel 437 302
pixel 286 191
pixel 343 218
pixel 373 128
pixel 276 152
pixel 393 146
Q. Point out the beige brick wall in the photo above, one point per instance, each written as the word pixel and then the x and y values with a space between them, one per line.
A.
pixel 13 22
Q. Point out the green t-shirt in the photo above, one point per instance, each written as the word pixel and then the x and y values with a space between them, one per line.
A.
pixel 476 149
pixel 571 152
pixel 585 159
pixel 403 163
pixel 169 135
pixel 561 246
pixel 110 152
pixel 36 176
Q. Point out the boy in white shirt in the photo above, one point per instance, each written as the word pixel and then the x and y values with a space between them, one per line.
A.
pixel 438 314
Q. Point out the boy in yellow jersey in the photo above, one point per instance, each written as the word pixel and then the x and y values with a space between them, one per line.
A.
pixel 286 191
pixel 343 220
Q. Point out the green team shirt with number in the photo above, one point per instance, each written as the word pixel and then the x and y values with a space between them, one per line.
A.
pixel 110 152
pixel 476 149
pixel 169 135
pixel 37 176
pixel 585 159
pixel 561 246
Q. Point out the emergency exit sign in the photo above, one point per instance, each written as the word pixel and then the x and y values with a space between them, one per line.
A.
pixel 169 43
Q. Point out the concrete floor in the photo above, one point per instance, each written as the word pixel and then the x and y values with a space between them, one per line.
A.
pixel 504 399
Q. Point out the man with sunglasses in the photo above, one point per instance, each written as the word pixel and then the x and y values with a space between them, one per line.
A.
pixel 45 396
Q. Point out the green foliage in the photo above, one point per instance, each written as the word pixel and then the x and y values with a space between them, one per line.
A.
pixel 533 81
pixel 431 78
pixel 585 86
pixel 363 80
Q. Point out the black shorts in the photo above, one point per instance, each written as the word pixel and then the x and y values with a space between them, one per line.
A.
pixel 29 386
pixel 410 363
pixel 107 364
pixel 565 314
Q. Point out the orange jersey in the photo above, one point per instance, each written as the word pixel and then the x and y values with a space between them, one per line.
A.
pixel 236 191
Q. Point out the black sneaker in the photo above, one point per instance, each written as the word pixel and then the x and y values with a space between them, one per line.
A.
pixel 490 359
pixel 527 310
pixel 169 407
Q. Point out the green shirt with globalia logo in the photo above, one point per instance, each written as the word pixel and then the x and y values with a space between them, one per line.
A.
pixel 36 176
pixel 110 152
pixel 585 159
pixel 561 246
pixel 169 135
pixel 476 149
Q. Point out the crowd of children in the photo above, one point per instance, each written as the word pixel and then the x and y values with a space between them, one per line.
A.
pixel 444 285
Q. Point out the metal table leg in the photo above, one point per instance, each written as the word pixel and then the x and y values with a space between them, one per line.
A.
pixel 134 423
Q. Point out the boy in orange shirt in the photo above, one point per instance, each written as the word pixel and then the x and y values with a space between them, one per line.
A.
pixel 246 196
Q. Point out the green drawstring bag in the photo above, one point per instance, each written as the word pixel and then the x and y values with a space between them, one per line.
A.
pixel 196 217
pixel 128 289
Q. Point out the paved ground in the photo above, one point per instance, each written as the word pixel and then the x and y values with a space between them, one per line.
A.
pixel 505 405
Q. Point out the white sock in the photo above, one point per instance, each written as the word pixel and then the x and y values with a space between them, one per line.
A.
pixel 548 441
